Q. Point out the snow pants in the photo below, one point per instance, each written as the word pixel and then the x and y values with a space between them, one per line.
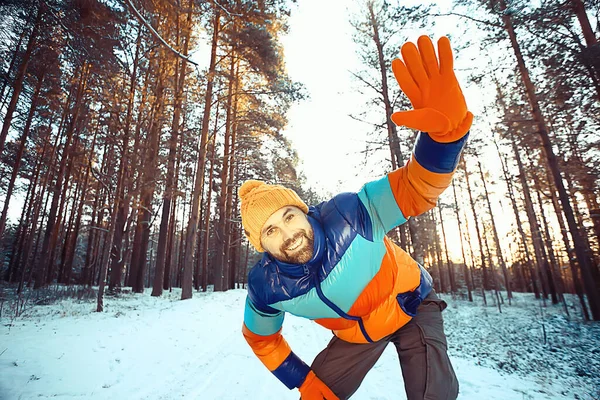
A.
pixel 422 350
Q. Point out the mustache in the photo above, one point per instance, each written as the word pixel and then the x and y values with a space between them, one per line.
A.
pixel 297 236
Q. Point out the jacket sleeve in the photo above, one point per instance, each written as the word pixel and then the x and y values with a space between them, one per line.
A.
pixel 413 188
pixel 262 331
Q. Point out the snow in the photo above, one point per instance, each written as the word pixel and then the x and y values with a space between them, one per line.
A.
pixel 144 347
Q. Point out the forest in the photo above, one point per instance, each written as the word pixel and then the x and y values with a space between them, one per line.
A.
pixel 127 127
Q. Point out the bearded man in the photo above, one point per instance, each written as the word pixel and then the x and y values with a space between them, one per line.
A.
pixel 333 263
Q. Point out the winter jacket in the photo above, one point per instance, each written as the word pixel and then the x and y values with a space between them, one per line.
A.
pixel 358 284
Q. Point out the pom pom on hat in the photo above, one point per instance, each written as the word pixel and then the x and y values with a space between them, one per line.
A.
pixel 259 201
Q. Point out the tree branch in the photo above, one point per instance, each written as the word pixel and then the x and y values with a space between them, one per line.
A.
pixel 471 18
pixel 226 11
pixel 155 34
pixel 369 84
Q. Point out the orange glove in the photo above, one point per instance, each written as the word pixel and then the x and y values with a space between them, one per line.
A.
pixel 439 105
pixel 314 389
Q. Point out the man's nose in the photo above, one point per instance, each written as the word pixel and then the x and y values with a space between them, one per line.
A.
pixel 287 233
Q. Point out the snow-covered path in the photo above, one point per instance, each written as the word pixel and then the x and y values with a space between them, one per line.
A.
pixel 161 348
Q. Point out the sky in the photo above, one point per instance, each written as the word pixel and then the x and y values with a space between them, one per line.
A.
pixel 320 53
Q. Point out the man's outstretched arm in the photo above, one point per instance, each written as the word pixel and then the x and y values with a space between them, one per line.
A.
pixel 439 108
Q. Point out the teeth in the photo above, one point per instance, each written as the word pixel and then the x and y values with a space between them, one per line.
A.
pixel 295 245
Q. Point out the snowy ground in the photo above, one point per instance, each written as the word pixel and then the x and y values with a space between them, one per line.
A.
pixel 162 348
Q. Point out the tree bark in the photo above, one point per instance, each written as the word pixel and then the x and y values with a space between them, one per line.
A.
pixel 515 208
pixel 18 84
pixel 192 226
pixel 394 144
pixel 11 66
pixel 231 193
pixel 438 256
pixel 496 238
pixel 486 284
pixel 52 227
pixel 179 79
pixel 449 264
pixel 593 295
pixel 462 247
pixel 19 156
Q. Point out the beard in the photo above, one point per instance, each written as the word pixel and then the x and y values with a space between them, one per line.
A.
pixel 301 255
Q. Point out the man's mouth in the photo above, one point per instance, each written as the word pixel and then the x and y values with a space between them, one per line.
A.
pixel 295 244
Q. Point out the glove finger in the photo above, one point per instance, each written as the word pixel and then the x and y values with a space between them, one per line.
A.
pixel 406 82
pixel 423 119
pixel 413 62
pixel 428 57
pixel 457 133
pixel 465 125
pixel 446 58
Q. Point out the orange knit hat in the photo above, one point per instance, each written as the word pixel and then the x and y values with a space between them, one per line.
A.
pixel 259 201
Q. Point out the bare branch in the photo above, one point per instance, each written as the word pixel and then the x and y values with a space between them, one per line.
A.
pixel 488 23
pixel 98 178
pixel 366 82
pixel 226 11
pixel 155 34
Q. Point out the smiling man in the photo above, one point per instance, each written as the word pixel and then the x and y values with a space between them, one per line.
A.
pixel 333 263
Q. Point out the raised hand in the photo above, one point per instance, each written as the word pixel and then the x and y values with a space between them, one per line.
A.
pixel 433 90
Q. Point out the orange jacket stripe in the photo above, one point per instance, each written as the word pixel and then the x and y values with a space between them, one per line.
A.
pixel 272 350
pixel 416 189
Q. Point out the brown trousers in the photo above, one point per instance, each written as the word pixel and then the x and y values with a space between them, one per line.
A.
pixel 422 350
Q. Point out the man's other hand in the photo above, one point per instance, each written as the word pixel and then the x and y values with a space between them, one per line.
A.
pixel 314 389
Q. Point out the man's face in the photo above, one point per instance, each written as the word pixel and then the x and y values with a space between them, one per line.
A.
pixel 288 236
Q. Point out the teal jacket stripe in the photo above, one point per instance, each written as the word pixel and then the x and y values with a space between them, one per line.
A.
pixel 261 323
pixel 308 305
pixel 357 267
pixel 381 205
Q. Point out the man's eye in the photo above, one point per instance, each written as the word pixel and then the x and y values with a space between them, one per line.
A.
pixel 270 232
pixel 289 217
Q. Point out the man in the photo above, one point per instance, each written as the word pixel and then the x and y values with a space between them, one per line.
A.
pixel 333 263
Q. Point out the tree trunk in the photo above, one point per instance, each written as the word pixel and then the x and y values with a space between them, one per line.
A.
pixel 18 83
pixel 221 261
pixel 438 255
pixel 11 66
pixel 462 247
pixel 486 283
pixel 472 256
pixel 586 27
pixel 73 245
pixel 149 183
pixel 533 223
pixel 492 271
pixel 394 144
pixel 68 234
pixel 19 156
pixel 179 79
pixel 192 226
pixel 593 295
pixel 25 228
pixel 556 282
pixel 496 238
pixel 203 281
pixel 550 261
pixel 515 208
pixel 52 227
pixel 449 264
